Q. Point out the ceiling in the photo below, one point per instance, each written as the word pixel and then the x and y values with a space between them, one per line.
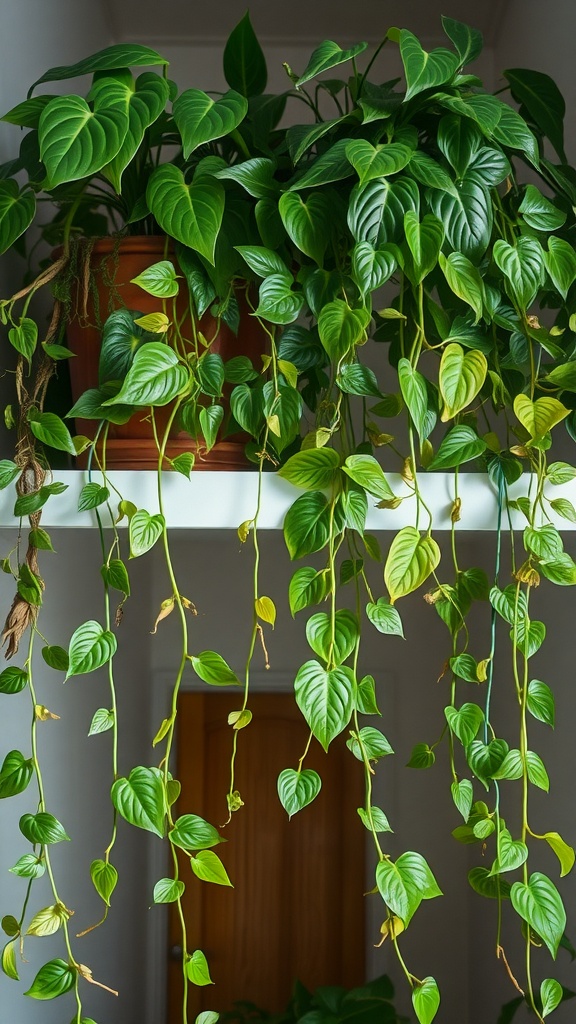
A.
pixel 307 21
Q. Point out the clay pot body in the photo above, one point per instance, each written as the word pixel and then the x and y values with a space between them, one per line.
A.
pixel 112 267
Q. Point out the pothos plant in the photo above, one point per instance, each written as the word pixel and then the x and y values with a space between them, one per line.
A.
pixel 402 219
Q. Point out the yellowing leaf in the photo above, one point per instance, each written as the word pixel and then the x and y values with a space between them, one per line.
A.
pixel 462 374
pixel 156 323
pixel 266 609
pixel 540 416
pixel 410 561
pixel 240 719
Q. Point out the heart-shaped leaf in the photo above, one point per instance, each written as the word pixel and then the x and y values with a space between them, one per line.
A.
pixel 325 698
pixel 523 267
pixel 404 884
pixel 91 646
pixel 464 280
pixel 425 70
pixel 192 214
pixel 384 617
pixel 143 100
pixel 201 119
pixel 461 444
pixel 341 327
pixel 155 378
pixel 15 773
pixel 511 854
pixel 424 239
pixel 410 561
pixel 377 161
pixel 367 472
pixel 312 468
pixel 140 799
pixel 308 222
pixel 461 376
pixel 415 393
pixel 426 1000
pixel 485 759
pixel 144 529
pixel 465 721
pixel 17 211
pixel 539 904
pixel 207 866
pixel 53 979
pixel 540 416
pixel 376 210
pixel 77 142
pixel 298 789
pixel 332 643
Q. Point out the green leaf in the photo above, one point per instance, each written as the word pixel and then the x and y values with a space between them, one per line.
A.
pixel 24 337
pixel 29 587
pixel 355 508
pixel 369 741
pixel 426 1000
pixel 404 884
pixel 297 789
pixel 415 394
pixel 424 240
pixel 144 101
pixel 155 378
pixel 376 210
pixel 465 667
pixel 540 416
pixel 276 300
pixel 121 338
pixel 422 757
pixel 462 795
pixel 159 280
pixel 424 70
pixel 464 280
pixel 332 165
pixel 144 529
pixel 459 140
pixel 372 268
pixel 197 969
pixel 77 142
pixel 319 632
pixel 49 428
pixel 325 698
pixel 551 994
pixel 356 379
pixel 536 771
pixel 341 328
pixel 8 961
pixel 560 262
pixel 200 119
pixel 91 496
pixel 48 921
pixel 461 444
pixel 15 774
pixel 244 62
pixel 184 463
pixel 366 697
pixel 565 853
pixel 461 377
pixel 564 376
pixel 485 759
pixel 168 890
pixel 308 222
pixel 411 559
pixel 539 904
pixel 377 161
pixel 540 702
pixel 207 866
pixel 307 586
pixel 465 722
pixel 328 55
pixel 121 55
pixel 13 679
pixel 560 473
pixel 42 828
pixel 115 574
pixel 538 212
pixel 376 819
pixel 307 524
pixel 191 832
pixel 511 854
pixel 102 721
pixel 544 541
pixel 490 886
pixel 544 102
pixel 192 214
pixel 91 646
pixel 212 668
pixel 367 472
pixel 247 406
pixel 17 211
pixel 210 419
pixel 467 216
pixel 523 267
pixel 28 866
pixel 140 799
pixel 53 979
pixel 56 657
pixel 384 617
pixel 312 468
pixel 467 41
pixel 104 879
pixel 263 261
pixel 9 471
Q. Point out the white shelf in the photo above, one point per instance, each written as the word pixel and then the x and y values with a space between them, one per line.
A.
pixel 221 501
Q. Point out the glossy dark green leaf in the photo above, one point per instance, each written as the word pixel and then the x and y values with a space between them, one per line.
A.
pixel 539 212
pixel 308 222
pixel 540 702
pixel 201 119
pixel 464 280
pixel 276 300
pixel 121 55
pixel 91 496
pixel 341 327
pixel 307 586
pixel 377 161
pixel 143 100
pixel 140 799
pixel 369 742
pixel 560 262
pixel 415 394
pixel 467 217
pixel 77 142
pixel 210 419
pixel 468 41
pixel 325 698
pixel 115 574
pixel 56 657
pixel 332 165
pixel 13 679
pixel 372 268
pixel 485 759
pixel 42 828
pixel 212 668
pixel 244 62
pixel 192 214
pixel 465 721
pixel 462 795
pixel 424 70
pixel 49 428
pixel 366 702
pixel 256 176
pixel 16 212
pixel 459 139
pixel 24 337
pixel 155 378
pixel 536 771
pixel 333 641
pixel 375 819
pixel 264 261
pixel 15 774
pixel 491 886
pixel 247 406
pixel 544 102
pixel 424 240
pixel 328 55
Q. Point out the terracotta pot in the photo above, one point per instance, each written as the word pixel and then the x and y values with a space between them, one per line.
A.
pixel 112 266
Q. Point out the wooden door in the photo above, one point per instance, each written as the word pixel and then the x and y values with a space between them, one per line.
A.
pixel 297 909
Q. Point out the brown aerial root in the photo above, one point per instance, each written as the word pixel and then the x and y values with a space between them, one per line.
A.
pixel 502 956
